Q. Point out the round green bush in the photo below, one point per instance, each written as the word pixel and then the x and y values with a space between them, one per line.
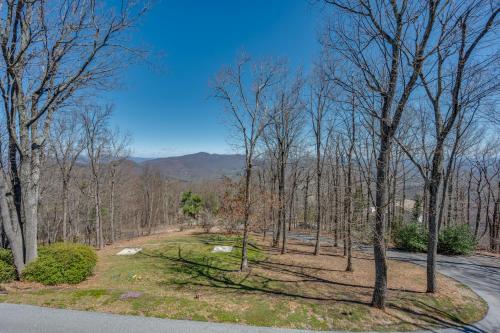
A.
pixel 7 272
pixel 61 263
pixel 410 237
pixel 456 240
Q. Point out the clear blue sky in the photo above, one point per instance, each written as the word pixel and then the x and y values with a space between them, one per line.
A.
pixel 170 113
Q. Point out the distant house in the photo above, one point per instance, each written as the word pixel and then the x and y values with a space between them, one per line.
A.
pixel 408 205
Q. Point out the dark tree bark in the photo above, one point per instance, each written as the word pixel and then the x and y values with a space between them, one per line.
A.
pixel 306 199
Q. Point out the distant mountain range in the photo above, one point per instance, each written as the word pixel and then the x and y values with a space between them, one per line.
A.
pixel 195 167
pixel 140 159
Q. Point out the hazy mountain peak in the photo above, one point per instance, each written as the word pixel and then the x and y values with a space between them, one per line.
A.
pixel 198 166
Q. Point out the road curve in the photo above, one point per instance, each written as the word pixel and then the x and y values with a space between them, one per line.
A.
pixel 480 273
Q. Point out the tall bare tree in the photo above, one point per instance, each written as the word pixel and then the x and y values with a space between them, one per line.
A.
pixel 118 153
pixel 65 145
pixel 319 107
pixel 386 43
pixel 51 52
pixel 349 198
pixel 244 94
pixel 281 136
pixel 470 31
pixel 97 143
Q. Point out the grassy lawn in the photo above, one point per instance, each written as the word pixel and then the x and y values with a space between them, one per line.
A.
pixel 177 276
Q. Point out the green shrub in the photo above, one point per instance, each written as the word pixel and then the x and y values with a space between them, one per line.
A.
pixel 410 237
pixel 456 240
pixel 7 272
pixel 6 256
pixel 191 204
pixel 61 263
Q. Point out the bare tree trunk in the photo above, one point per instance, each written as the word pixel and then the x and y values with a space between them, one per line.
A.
pixel 402 210
pixel 150 212
pixel 380 289
pixel 425 203
pixel 112 208
pixel 30 176
pixel 318 189
pixel 281 200
pixel 246 216
pixel 393 195
pixel 495 230
pixel 11 225
pixel 98 222
pixel 291 209
pixel 450 201
pixel 479 204
pixel 435 180
pixel 469 183
pixel 276 222
pixel 337 200
pixel 65 209
pixel 306 201
pixel 348 195
pixel 318 209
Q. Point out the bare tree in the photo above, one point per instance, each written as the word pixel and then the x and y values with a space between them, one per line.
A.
pixel 446 79
pixel 97 143
pixel 51 52
pixel 351 134
pixel 320 103
pixel 281 136
pixel 118 153
pixel 468 40
pixel 385 42
pixel 244 95
pixel 65 145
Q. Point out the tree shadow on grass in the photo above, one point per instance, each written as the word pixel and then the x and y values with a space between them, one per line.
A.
pixel 308 277
pixel 216 272
pixel 435 318
pixel 208 274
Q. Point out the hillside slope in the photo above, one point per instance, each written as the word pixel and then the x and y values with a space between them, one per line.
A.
pixel 199 166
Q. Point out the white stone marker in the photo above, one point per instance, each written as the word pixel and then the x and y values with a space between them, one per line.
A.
pixel 220 248
pixel 129 251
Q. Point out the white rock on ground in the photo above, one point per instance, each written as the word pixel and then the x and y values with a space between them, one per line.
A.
pixel 129 251
pixel 220 248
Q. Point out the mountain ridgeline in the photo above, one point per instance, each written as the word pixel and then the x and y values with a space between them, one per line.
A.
pixel 196 167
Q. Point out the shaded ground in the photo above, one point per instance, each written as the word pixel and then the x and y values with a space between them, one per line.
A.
pixel 178 277
pixel 479 272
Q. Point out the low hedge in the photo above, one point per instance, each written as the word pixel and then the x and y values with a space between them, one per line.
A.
pixel 453 240
pixel 7 268
pixel 456 240
pixel 61 263
pixel 410 237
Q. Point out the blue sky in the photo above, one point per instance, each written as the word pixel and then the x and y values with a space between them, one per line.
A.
pixel 170 112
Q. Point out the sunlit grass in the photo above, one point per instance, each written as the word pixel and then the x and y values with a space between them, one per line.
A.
pixel 180 277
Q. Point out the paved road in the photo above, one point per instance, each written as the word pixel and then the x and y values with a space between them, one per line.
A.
pixel 33 319
pixel 481 273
